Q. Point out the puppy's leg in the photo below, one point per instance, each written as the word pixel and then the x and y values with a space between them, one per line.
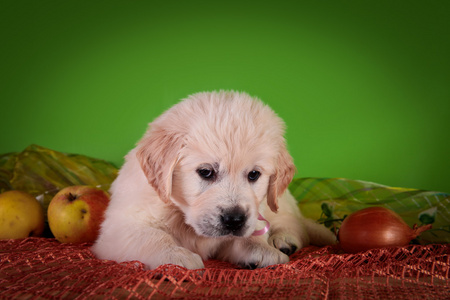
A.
pixel 287 234
pixel 252 253
pixel 290 231
pixel 151 246
pixel 296 234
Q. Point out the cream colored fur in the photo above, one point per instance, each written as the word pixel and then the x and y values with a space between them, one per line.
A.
pixel 163 211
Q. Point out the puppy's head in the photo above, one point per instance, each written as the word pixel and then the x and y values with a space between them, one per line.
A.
pixel 218 156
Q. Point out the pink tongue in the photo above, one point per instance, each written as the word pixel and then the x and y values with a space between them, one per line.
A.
pixel 265 229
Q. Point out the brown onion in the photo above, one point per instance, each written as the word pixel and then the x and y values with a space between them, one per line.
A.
pixel 376 227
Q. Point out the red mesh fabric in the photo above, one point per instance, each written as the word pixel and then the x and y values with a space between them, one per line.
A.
pixel 36 268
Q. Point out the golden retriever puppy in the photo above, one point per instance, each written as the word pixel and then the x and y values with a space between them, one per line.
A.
pixel 208 180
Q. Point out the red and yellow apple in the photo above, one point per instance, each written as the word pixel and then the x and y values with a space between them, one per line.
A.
pixel 76 212
pixel 21 215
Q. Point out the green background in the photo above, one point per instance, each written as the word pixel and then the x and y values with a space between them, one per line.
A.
pixel 364 86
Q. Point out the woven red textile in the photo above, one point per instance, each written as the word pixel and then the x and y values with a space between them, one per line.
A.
pixel 36 268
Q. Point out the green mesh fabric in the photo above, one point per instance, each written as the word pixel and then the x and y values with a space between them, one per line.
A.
pixel 329 200
pixel 43 172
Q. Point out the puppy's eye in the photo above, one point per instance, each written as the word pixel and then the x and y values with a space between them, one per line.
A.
pixel 253 175
pixel 207 174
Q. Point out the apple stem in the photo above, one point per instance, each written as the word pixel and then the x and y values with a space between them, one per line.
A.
pixel 72 197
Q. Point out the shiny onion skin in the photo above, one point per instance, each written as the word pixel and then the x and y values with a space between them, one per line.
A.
pixel 375 227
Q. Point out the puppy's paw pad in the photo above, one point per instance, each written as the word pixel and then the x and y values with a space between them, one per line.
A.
pixel 285 243
pixel 251 266
pixel 288 250
pixel 264 257
pixel 255 265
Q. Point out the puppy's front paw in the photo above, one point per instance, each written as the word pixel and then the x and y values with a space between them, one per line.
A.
pixel 286 243
pixel 180 256
pixel 261 256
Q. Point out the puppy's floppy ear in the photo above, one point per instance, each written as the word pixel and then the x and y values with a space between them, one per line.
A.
pixel 278 183
pixel 158 155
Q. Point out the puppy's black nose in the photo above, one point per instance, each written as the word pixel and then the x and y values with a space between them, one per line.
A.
pixel 234 219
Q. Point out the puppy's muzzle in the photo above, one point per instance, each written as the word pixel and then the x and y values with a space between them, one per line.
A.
pixel 233 220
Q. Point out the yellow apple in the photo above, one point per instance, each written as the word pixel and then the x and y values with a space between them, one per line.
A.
pixel 76 212
pixel 21 215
